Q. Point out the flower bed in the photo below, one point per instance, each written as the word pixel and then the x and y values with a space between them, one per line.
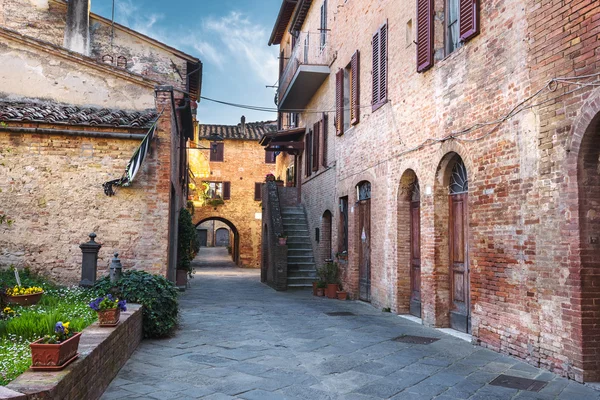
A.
pixel 21 325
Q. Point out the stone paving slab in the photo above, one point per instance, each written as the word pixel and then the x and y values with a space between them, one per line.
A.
pixel 239 339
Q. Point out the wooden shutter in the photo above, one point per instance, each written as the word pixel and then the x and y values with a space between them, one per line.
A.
pixel 339 102
pixel 226 190
pixel 270 157
pixel 257 191
pixel 424 35
pixel 315 145
pixel 468 18
pixel 216 151
pixel 308 153
pixel 380 42
pixel 355 89
pixel 324 131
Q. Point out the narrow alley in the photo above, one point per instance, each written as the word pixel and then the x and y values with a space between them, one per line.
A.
pixel 241 339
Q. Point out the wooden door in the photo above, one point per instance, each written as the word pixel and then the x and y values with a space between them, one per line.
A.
pixel 203 237
pixel 364 249
pixel 222 239
pixel 460 292
pixel 415 258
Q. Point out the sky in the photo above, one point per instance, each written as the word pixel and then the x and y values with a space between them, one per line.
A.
pixel 230 37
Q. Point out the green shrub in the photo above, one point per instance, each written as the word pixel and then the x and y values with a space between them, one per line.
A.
pixel 187 242
pixel 155 293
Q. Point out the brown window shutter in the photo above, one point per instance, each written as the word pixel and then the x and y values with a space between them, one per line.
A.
pixel 216 151
pixel 468 18
pixel 257 191
pixel 375 95
pixel 308 152
pixel 383 57
pixel 324 132
pixel 355 89
pixel 339 102
pixel 226 190
pixel 424 35
pixel 315 145
pixel 270 157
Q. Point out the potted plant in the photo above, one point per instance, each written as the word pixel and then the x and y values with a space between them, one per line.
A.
pixel 54 352
pixel 282 238
pixel 341 293
pixel 314 285
pixel 329 274
pixel 321 286
pixel 24 296
pixel 108 309
pixel 269 178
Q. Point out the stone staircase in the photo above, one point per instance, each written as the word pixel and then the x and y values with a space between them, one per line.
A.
pixel 301 263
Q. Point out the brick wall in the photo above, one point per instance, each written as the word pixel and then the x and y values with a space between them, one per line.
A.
pixel 243 165
pixel 102 353
pixel 525 243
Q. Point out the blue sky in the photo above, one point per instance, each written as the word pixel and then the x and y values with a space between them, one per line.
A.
pixel 229 36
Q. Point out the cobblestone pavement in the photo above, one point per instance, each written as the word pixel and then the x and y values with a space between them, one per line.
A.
pixel 240 339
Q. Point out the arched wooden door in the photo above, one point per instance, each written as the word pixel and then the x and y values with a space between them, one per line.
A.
pixel 415 251
pixel 460 289
pixel 364 240
pixel 222 237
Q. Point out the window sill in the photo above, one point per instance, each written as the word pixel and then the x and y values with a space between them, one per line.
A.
pixel 378 106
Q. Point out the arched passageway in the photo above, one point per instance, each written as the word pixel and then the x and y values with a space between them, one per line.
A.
pixel 231 236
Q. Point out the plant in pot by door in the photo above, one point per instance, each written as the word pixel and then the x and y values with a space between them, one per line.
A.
pixel 109 309
pixel 282 238
pixel 24 296
pixel 321 286
pixel 329 274
pixel 341 293
pixel 269 178
pixel 54 352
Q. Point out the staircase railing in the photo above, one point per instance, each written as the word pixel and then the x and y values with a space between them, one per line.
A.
pixel 274 256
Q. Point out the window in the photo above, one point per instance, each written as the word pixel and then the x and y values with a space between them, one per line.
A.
pixel 452 32
pixel 347 95
pixel 218 190
pixel 270 157
pixel 216 151
pixel 316 143
pixel 258 191
pixel 324 134
pixel 294 118
pixel 343 228
pixel 308 154
pixel 323 24
pixel 380 39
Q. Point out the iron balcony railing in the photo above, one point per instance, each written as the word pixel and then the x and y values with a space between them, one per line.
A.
pixel 311 48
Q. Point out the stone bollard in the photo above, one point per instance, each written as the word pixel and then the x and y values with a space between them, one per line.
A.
pixel 115 269
pixel 89 264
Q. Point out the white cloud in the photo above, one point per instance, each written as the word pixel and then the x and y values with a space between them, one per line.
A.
pixel 209 53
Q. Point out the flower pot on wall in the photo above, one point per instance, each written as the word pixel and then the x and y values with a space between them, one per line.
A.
pixel 51 357
pixel 109 317
pixel 332 289
pixel 25 299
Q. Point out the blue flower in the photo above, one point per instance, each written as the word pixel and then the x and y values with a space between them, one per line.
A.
pixel 59 328
pixel 110 297
pixel 122 305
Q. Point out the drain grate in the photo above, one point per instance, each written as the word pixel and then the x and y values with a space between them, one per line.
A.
pixel 415 339
pixel 515 382
pixel 340 314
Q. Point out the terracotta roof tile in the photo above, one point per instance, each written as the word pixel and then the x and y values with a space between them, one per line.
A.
pixel 252 131
pixel 55 113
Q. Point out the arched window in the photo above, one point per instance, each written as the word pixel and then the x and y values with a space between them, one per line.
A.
pixel 364 191
pixel 459 182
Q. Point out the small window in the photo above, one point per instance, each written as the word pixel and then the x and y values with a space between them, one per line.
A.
pixel 453 41
pixel 270 157
pixel 216 152
pixel 215 190
pixel 257 191
pixel 323 24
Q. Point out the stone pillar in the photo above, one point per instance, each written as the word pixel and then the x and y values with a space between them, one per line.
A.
pixel 115 269
pixel 89 263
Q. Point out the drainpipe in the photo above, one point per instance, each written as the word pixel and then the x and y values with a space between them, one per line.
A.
pixel 77 28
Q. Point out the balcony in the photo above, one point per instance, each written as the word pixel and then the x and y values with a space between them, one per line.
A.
pixel 305 71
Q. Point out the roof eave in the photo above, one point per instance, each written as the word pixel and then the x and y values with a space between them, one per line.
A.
pixel 282 21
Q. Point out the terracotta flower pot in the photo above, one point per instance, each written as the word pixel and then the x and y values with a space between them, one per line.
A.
pixel 181 277
pixel 48 357
pixel 109 317
pixel 25 299
pixel 320 291
pixel 342 295
pixel 332 290
pixel 314 288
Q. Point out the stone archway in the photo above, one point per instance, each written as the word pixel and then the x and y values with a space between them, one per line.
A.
pixel 409 245
pixel 235 244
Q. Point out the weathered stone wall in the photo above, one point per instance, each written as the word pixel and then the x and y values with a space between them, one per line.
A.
pixel 51 184
pixel 243 166
pixel 523 210
pixel 102 353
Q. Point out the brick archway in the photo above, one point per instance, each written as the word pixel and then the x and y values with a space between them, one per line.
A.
pixel 235 246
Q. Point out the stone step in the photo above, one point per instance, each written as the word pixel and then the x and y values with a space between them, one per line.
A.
pixel 302 258
pixel 301 265
pixel 300 280
pixel 299 252
pixel 302 274
pixel 299 286
pixel 298 241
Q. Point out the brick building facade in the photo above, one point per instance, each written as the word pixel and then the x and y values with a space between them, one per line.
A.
pixel 462 154
pixel 229 166
pixel 71 121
